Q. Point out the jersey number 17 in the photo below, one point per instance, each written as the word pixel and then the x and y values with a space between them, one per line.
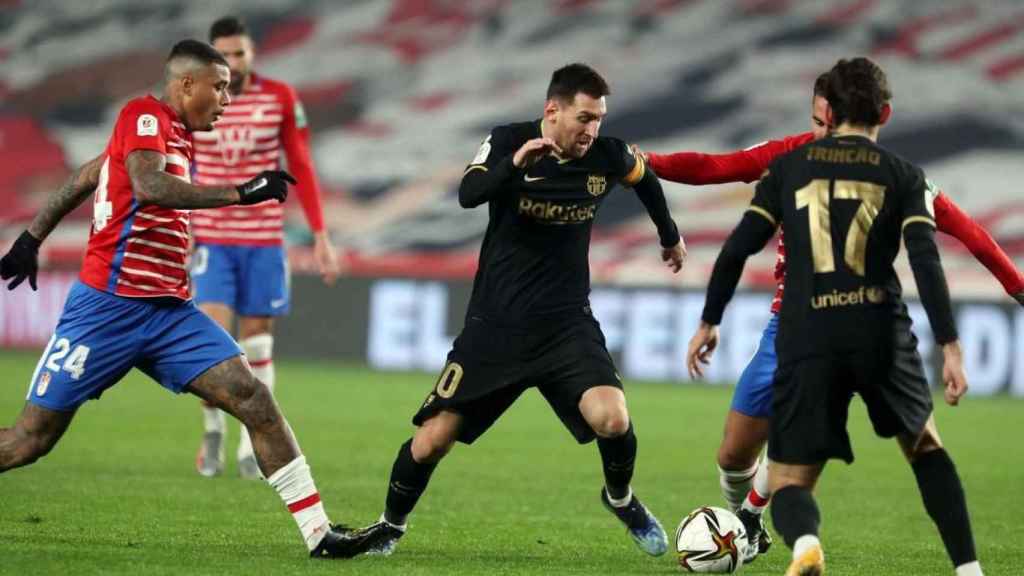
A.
pixel 815 197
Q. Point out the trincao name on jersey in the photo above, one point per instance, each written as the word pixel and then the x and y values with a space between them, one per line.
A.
pixel 844 203
pixel 138 251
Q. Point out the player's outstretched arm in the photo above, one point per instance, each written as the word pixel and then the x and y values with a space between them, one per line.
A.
pixel 295 142
pixel 490 170
pixel 752 233
pixel 22 261
pixel 698 169
pixel 749 237
pixel 919 237
pixel 949 218
pixel 78 186
pixel 650 193
pixel 155 187
pixel 480 183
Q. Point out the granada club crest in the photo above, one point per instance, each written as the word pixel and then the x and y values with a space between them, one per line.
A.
pixel 44 384
pixel 236 142
pixel 596 184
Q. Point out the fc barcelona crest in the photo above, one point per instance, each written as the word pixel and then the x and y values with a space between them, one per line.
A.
pixel 596 184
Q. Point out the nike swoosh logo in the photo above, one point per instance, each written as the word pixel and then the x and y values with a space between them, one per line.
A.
pixel 278 303
pixel 527 178
pixel 262 182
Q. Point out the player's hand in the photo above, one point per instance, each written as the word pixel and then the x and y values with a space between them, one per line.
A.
pixel 268 185
pixel 702 346
pixel 638 152
pixel 533 150
pixel 21 261
pixel 953 376
pixel 326 258
pixel 675 256
pixel 1019 297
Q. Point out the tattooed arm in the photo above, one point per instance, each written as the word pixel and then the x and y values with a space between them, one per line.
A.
pixel 153 186
pixel 75 190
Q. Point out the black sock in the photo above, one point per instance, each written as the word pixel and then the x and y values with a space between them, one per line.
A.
pixel 795 514
pixel 618 456
pixel 409 479
pixel 945 502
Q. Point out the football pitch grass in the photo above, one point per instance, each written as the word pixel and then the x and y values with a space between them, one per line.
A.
pixel 119 494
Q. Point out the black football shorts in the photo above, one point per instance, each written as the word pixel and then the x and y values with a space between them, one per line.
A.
pixel 811 399
pixel 490 365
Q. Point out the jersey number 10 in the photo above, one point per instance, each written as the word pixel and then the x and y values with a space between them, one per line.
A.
pixel 815 197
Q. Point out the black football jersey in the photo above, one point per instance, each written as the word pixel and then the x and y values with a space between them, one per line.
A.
pixel 842 203
pixel 534 256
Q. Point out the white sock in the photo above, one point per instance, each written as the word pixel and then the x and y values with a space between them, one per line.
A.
pixel 258 352
pixel 735 485
pixel 803 544
pixel 213 420
pixel 620 502
pixel 759 496
pixel 969 569
pixel 294 484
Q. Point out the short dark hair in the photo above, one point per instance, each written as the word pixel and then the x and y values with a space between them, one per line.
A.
pixel 572 79
pixel 228 26
pixel 196 50
pixel 821 85
pixel 857 91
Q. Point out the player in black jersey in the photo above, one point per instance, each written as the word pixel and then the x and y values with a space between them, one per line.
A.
pixel 843 203
pixel 529 322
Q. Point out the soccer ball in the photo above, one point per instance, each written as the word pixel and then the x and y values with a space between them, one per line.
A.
pixel 712 541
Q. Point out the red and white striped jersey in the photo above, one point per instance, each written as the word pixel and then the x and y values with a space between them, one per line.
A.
pixel 259 123
pixel 139 251
pixel 744 166
pixel 748 165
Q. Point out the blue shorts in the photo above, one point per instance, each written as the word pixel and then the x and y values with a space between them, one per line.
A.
pixel 100 337
pixel 753 395
pixel 251 280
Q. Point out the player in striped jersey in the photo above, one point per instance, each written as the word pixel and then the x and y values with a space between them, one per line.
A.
pixel 743 481
pixel 240 263
pixel 131 306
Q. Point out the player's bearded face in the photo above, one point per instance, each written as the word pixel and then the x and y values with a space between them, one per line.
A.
pixel 206 96
pixel 819 117
pixel 578 123
pixel 237 50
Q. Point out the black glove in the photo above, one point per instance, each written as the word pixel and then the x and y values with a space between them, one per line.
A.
pixel 269 184
pixel 22 261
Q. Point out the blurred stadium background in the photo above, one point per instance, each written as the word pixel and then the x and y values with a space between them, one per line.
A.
pixel 399 94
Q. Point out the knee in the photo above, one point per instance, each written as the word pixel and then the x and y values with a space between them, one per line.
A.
pixel 730 459
pixel 733 457
pixel 610 423
pixel 254 403
pixel 431 444
pixel 927 442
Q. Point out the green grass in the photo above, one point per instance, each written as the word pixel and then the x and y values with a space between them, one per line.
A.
pixel 119 494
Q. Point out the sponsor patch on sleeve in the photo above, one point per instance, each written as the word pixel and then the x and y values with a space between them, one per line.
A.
pixel 147 125
pixel 483 152
pixel 931 192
